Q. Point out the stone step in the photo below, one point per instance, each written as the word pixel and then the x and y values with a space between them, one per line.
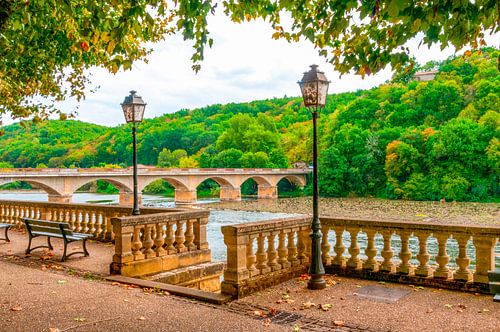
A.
pixel 494 287
pixel 197 294
pixel 494 276
pixel 205 276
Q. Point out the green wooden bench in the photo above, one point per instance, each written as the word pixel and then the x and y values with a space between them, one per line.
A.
pixel 6 227
pixel 50 229
pixel 494 282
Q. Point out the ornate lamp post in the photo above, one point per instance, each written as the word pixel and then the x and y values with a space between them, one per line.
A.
pixel 314 88
pixel 133 108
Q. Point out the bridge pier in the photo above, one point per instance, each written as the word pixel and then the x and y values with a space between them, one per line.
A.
pixel 185 196
pixel 267 192
pixel 60 198
pixel 230 194
pixel 127 198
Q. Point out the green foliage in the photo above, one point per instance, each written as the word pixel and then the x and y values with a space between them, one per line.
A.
pixel 47 45
pixel 421 140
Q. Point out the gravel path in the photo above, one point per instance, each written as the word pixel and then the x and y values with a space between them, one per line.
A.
pixel 446 212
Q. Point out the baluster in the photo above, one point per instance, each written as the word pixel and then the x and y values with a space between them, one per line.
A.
pixel 190 235
pixel 159 240
pixel 169 240
pixel 292 249
pixel 78 220
pixel 99 224
pixel 463 272
pixel 339 248
pixel 442 258
pixel 283 251
pixel 137 244
pixel 251 258
pixel 325 245
pixel 371 263
pixel 179 237
pixel 92 221
pixel 148 242
pixel 262 255
pixel 85 221
pixel 301 255
pixel 405 255
pixel 423 269
pixel 354 262
pixel 387 253
pixel 272 254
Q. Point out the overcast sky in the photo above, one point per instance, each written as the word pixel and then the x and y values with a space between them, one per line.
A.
pixel 244 64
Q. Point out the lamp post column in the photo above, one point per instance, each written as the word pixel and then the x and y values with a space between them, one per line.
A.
pixel 316 269
pixel 135 210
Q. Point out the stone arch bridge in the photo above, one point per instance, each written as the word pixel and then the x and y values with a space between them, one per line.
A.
pixel 60 184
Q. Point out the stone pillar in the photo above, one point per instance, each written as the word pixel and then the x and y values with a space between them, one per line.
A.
pixel 185 196
pixel 60 198
pixel 267 192
pixel 123 247
pixel 485 258
pixel 236 270
pixel 230 194
pixel 127 198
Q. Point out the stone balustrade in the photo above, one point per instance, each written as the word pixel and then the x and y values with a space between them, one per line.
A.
pixel 148 244
pixel 84 218
pixel 261 254
pixel 398 236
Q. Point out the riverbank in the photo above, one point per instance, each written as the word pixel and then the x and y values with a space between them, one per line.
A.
pixel 460 213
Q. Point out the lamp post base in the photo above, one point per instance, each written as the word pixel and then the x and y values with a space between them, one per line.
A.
pixel 316 282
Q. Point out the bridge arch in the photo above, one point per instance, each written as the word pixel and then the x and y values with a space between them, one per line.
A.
pixel 174 182
pixel 298 180
pixel 121 186
pixel 46 187
pixel 222 181
pixel 259 179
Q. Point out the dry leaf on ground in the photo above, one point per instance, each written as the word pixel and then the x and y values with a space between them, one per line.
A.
pixel 308 305
pixel 16 308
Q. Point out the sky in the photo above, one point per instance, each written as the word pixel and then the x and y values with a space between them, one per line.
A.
pixel 244 64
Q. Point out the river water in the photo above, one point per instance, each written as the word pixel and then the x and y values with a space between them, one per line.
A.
pixel 220 218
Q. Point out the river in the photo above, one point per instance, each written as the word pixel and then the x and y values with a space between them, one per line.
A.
pixel 220 218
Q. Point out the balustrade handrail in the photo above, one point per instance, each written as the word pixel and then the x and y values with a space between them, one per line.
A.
pixel 473 230
pixel 162 217
pixel 265 226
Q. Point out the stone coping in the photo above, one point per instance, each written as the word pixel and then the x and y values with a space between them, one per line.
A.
pixel 164 217
pixel 473 230
pixel 286 223
pixel 114 207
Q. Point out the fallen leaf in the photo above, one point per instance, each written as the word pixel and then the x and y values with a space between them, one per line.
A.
pixel 308 305
pixel 382 282
pixel 259 313
pixel 428 311
pixel 449 306
pixel 358 286
pixel 273 311
pixel 16 308
pixel 54 329
pixel 115 284
pixel 61 282
pixel 79 319
pixel 266 322
pixel 338 323
pixel 296 328
pixel 304 277
pixel 326 306
pixel 420 287
pixel 462 306
pixel 142 318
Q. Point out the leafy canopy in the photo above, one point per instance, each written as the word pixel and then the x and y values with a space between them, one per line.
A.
pixel 46 45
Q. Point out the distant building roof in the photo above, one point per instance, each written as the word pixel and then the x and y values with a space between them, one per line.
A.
pixel 423 76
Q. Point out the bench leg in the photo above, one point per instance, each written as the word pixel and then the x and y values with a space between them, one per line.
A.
pixel 86 253
pixel 49 244
pixel 6 234
pixel 63 259
pixel 27 252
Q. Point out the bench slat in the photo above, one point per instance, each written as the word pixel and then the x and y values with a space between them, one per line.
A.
pixel 44 229
pixel 45 223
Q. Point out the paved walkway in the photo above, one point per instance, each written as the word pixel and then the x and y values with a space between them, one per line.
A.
pixel 38 293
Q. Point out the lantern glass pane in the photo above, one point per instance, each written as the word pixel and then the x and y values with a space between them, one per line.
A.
pixel 139 112
pixel 322 93
pixel 128 112
pixel 310 93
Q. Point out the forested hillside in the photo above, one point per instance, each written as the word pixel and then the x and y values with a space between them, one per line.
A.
pixel 404 139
